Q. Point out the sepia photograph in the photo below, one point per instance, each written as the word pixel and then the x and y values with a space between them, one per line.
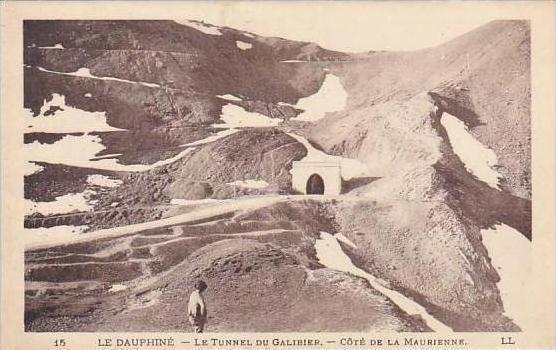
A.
pixel 214 174
pixel 167 158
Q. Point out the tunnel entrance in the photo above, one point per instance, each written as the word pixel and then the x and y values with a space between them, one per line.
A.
pixel 315 185
pixel 316 177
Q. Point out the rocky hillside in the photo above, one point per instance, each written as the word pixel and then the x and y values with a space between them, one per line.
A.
pixel 184 68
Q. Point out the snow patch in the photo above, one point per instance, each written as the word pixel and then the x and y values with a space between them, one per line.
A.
pixel 249 183
pixel 237 117
pixel 83 72
pixel 293 61
pixel 117 287
pixel 502 243
pixel 58 46
pixel 88 95
pixel 200 26
pixel 61 205
pixel 229 97
pixel 86 73
pixel 111 155
pixel 44 235
pixel 57 117
pixel 103 181
pixel 286 104
pixel 331 97
pixel 331 255
pixel 70 150
pixel 350 168
pixel 80 150
pixel 243 45
pixel 30 168
pixel 478 159
pixel 340 237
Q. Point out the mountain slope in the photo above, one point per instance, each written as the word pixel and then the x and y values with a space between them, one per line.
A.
pixel 482 78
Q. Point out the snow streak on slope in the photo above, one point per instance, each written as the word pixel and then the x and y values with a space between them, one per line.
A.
pixel 86 73
pixel 30 168
pixel 243 45
pixel 57 47
pixel 103 181
pixel 57 117
pixel 331 255
pixel 61 205
pixel 478 159
pixel 341 238
pixel 331 97
pixel 229 97
pixel 202 27
pixel 79 150
pixel 510 254
pixel 351 168
pixel 237 117
pixel 117 287
pixel 44 235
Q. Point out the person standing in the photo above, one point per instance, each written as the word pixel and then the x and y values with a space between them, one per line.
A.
pixel 196 308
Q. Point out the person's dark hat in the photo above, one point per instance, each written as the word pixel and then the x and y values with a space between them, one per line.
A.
pixel 201 285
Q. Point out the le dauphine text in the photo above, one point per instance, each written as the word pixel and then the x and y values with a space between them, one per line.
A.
pixel 214 342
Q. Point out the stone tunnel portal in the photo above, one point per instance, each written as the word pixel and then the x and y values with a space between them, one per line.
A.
pixel 316 177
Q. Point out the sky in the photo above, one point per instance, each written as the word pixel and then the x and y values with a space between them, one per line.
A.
pixel 345 26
